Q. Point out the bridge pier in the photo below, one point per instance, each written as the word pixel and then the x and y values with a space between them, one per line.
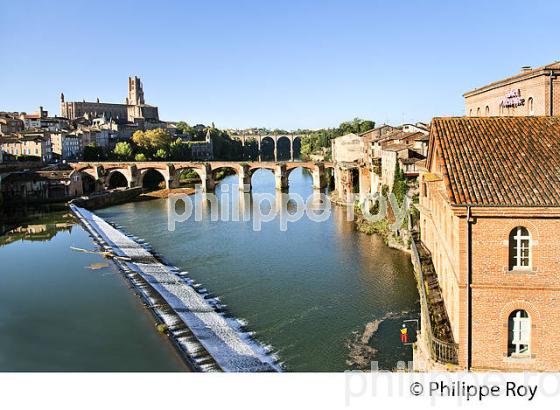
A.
pixel 281 177
pixel 319 180
pixel 133 176
pixel 207 182
pixel 244 178
pixel 169 176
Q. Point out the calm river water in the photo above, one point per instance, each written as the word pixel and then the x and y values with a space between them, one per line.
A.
pixel 309 292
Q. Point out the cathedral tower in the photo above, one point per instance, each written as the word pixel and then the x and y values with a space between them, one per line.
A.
pixel 135 91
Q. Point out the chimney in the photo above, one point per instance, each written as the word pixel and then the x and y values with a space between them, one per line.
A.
pixel 526 68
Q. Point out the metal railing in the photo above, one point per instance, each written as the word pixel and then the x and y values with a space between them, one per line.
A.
pixel 440 351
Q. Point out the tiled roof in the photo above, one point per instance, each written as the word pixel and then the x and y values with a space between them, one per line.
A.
pixel 499 161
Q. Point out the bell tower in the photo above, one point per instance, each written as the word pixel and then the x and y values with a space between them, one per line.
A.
pixel 135 91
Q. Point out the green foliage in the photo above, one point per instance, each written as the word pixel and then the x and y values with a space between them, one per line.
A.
pixel 189 174
pixel 356 126
pixel 380 227
pixel 123 151
pixel 94 153
pixel 179 150
pixel 152 141
pixel 158 144
pixel 184 128
pixel 399 184
pixel 225 148
pixel 251 150
pixel 160 154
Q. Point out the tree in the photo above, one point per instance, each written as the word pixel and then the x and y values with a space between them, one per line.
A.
pixel 399 184
pixel 315 140
pixel 184 128
pixel 94 153
pixel 179 150
pixel 160 154
pixel 123 151
pixel 140 157
pixel 141 140
pixel 159 138
pixel 151 141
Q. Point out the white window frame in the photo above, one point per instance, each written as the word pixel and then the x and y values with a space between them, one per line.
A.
pixel 518 247
pixel 519 335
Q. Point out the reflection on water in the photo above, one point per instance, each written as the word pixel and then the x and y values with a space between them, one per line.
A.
pixel 35 231
pixel 62 310
pixel 308 291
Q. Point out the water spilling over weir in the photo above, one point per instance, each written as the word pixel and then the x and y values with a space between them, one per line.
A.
pixel 196 323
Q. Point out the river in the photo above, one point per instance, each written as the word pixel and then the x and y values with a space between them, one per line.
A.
pixel 310 292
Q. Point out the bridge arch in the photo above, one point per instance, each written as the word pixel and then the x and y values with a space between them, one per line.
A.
pixel 267 148
pixel 89 183
pixel 151 178
pixel 220 171
pixel 116 178
pixel 264 174
pixel 315 171
pixel 296 147
pixel 284 149
pixel 186 175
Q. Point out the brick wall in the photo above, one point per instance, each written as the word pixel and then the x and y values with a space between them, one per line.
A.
pixel 496 291
pixel 535 88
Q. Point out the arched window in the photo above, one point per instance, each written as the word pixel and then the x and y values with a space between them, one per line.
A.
pixel 487 111
pixel 530 106
pixel 470 112
pixel 519 249
pixel 478 112
pixel 519 334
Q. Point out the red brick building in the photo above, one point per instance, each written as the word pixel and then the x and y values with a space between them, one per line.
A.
pixel 531 92
pixel 490 222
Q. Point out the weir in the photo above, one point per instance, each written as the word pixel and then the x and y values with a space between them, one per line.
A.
pixel 209 340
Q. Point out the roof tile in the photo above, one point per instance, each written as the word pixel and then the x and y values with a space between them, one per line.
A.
pixel 506 161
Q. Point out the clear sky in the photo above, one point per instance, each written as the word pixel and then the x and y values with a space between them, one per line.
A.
pixel 277 64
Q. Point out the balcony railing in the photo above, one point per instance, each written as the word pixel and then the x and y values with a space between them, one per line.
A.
pixel 442 351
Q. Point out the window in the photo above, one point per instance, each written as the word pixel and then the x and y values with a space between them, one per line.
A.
pixel 470 112
pixel 519 249
pixel 478 112
pixel 530 106
pixel 487 111
pixel 519 334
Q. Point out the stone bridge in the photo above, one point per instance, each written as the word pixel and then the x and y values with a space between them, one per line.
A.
pixel 102 173
pixel 275 139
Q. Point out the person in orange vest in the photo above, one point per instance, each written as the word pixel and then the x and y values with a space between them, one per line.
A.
pixel 404 334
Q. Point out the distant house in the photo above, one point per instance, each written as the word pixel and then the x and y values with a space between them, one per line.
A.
pixel 203 150
pixel 33 143
pixel 39 186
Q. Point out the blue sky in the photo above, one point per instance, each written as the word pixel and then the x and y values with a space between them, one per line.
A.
pixel 282 64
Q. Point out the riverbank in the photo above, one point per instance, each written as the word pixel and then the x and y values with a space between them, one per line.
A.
pixel 396 239
pixel 164 193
